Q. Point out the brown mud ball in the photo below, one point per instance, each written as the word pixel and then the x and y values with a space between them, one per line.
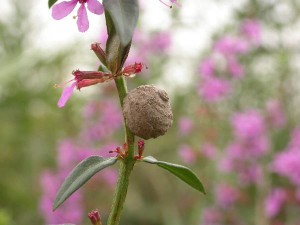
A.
pixel 147 111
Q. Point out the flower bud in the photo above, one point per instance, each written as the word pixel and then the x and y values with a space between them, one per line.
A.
pixel 147 111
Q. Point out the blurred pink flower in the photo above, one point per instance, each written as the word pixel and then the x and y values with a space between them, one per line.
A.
pixel 249 124
pixel 187 154
pixel 175 2
pixel 148 45
pixel 110 177
pixel 250 174
pixel 295 139
pixel 67 154
pixel 70 212
pixel 208 150
pixel 231 46
pixel 275 113
pixel 235 68
pixel 207 68
pixel 211 216
pixel 251 28
pixel 159 42
pixel 274 202
pixel 213 89
pixel 226 196
pixel 64 8
pixel 287 164
pixel 185 125
pixel 101 120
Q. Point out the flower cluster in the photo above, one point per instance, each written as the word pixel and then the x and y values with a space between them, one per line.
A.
pixel 101 120
pixel 249 145
pixel 223 66
pixel 287 162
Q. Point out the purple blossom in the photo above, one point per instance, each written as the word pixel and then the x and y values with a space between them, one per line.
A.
pixel 249 124
pixel 208 150
pixel 64 8
pixel 207 68
pixel 235 68
pixel 242 160
pixel 287 164
pixel 250 174
pixel 159 42
pixel 187 154
pixel 213 89
pixel 101 127
pixel 295 139
pixel 226 196
pixel 147 45
pixel 185 125
pixel 275 113
pixel 252 30
pixel 274 202
pixel 230 46
pixel 70 212
pixel 211 216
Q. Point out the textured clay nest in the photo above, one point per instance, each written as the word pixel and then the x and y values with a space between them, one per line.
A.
pixel 147 111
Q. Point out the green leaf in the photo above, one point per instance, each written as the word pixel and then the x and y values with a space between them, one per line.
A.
pixel 51 3
pixel 116 53
pixel 80 175
pixel 182 172
pixel 124 14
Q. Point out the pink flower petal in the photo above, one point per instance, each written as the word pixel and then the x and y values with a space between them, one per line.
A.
pixel 95 7
pixel 82 21
pixel 66 94
pixel 175 3
pixel 63 9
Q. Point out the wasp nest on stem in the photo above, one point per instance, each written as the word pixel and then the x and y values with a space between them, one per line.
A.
pixel 147 111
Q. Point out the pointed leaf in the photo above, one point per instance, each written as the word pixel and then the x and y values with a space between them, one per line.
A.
pixel 182 172
pixel 51 3
pixel 116 53
pixel 80 175
pixel 124 14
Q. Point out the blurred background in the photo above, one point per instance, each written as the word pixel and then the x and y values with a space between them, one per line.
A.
pixel 232 71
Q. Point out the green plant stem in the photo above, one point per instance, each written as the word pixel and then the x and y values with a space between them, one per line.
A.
pixel 126 165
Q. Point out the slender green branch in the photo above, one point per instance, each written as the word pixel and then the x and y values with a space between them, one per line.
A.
pixel 126 165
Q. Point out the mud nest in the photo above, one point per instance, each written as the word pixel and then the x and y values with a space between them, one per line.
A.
pixel 147 111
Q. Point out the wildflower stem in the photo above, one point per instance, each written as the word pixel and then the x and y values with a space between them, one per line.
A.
pixel 126 165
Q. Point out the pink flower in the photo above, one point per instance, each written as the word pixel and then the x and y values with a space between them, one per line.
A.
pixel 82 79
pixel 187 154
pixel 230 46
pixel 213 89
pixel 185 125
pixel 64 8
pixel 71 211
pixel 207 68
pixel 249 124
pixel 252 30
pixel 275 113
pixel 209 151
pixel 287 164
pixel 274 202
pixel 226 195
pixel 235 68
pixel 211 216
